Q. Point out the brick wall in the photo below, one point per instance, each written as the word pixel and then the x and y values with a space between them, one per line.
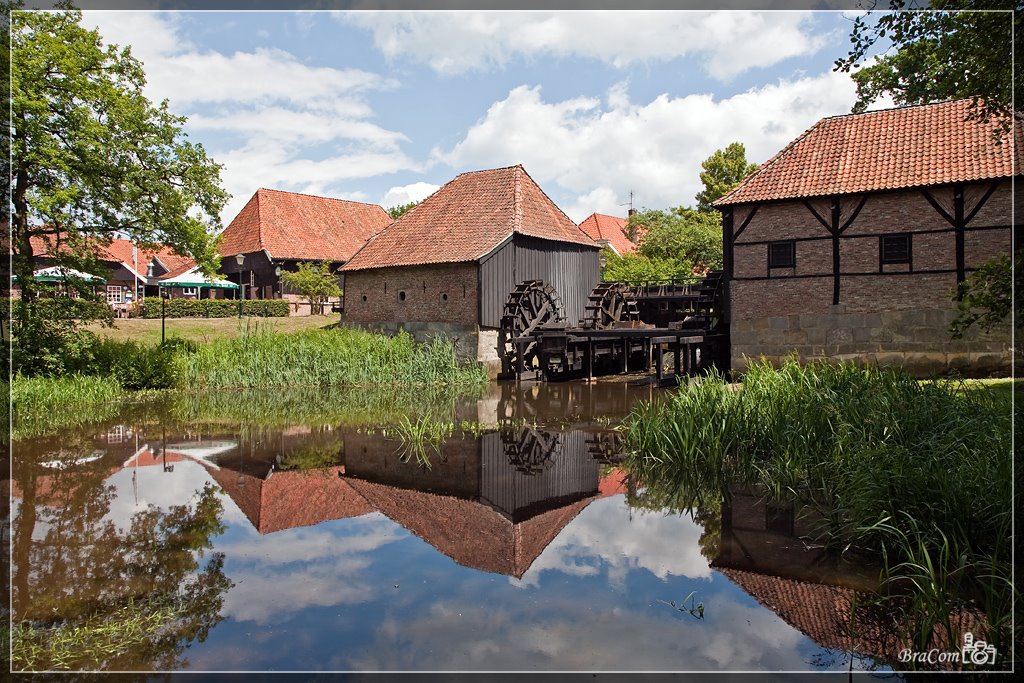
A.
pixel 864 284
pixel 891 314
pixel 444 293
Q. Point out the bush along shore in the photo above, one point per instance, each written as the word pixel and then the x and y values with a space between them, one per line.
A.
pixel 84 372
pixel 916 476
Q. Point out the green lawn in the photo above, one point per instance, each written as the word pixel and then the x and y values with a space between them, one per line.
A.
pixel 147 330
pixel 1001 386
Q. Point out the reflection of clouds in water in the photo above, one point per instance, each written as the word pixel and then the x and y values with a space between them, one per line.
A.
pixel 162 489
pixel 295 569
pixel 605 534
pixel 570 636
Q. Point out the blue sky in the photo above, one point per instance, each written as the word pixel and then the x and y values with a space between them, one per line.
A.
pixel 384 107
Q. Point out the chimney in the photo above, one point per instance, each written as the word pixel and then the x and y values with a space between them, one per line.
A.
pixel 632 212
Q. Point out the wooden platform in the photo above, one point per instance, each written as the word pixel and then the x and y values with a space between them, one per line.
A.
pixel 574 352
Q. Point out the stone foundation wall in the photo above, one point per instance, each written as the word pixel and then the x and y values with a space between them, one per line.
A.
pixel 917 340
pixel 471 342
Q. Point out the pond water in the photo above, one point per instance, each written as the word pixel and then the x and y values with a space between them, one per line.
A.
pixel 408 531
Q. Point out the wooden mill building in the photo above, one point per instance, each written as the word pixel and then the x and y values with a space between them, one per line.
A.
pixel 278 229
pixel 850 242
pixel 447 266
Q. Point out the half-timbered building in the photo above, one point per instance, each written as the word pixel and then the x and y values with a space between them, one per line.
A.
pixel 851 241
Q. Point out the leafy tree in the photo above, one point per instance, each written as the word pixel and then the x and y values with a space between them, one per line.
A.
pixel 396 211
pixel 92 158
pixel 986 296
pixel 936 55
pixel 723 170
pixel 637 268
pixel 681 234
pixel 315 282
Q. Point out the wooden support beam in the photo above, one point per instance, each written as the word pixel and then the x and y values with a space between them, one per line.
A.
pixel 678 359
pixel 590 359
pixel 660 356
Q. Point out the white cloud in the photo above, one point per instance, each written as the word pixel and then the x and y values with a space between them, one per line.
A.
pixel 728 43
pixel 596 153
pixel 275 120
pixel 602 535
pixel 294 569
pixel 578 635
pixel 404 194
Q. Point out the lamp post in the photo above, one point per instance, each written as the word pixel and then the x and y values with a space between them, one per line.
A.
pixel 240 259
pixel 277 274
pixel 163 304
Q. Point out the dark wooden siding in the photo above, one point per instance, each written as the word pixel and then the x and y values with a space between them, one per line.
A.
pixel 572 269
pixel 572 474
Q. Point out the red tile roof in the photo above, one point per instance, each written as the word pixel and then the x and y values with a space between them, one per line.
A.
pixel 466 219
pixel 289 499
pixel 120 251
pixel 611 229
pixel 300 226
pixel 884 150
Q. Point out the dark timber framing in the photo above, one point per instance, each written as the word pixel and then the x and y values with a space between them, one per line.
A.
pixel 959 220
pixel 729 237
pixel 836 228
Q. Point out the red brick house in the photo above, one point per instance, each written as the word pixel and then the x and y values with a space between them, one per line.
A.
pixel 609 231
pixel 447 266
pixel 849 243
pixel 279 229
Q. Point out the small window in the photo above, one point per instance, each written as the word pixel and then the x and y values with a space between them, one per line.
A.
pixel 444 297
pixel 782 254
pixel 401 295
pixel 115 294
pixel 894 248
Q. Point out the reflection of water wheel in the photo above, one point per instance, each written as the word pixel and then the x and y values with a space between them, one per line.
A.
pixel 530 451
pixel 529 306
pixel 606 447
pixel 608 305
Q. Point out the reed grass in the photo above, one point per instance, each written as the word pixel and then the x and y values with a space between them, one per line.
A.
pixel 45 404
pixel 919 474
pixel 326 357
pixel 87 645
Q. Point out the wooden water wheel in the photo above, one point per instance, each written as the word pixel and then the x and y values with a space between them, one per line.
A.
pixel 531 451
pixel 530 305
pixel 610 304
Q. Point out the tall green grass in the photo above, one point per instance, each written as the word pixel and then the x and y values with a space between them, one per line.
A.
pixel 45 404
pixel 919 474
pixel 326 357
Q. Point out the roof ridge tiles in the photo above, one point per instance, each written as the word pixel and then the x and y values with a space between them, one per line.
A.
pixel 315 196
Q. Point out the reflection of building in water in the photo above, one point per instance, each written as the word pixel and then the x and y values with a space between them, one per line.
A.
pixel 492 503
pixel 284 500
pixel 766 550
pixel 579 401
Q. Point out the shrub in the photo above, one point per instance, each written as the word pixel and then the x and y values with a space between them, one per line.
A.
pixel 135 365
pixel 214 308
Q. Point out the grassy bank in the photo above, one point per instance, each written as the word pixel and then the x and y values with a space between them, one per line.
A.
pixel 205 330
pixel 917 475
pixel 326 357
pixel 97 377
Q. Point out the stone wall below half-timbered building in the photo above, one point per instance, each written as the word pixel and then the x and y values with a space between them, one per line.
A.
pixel 877 287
